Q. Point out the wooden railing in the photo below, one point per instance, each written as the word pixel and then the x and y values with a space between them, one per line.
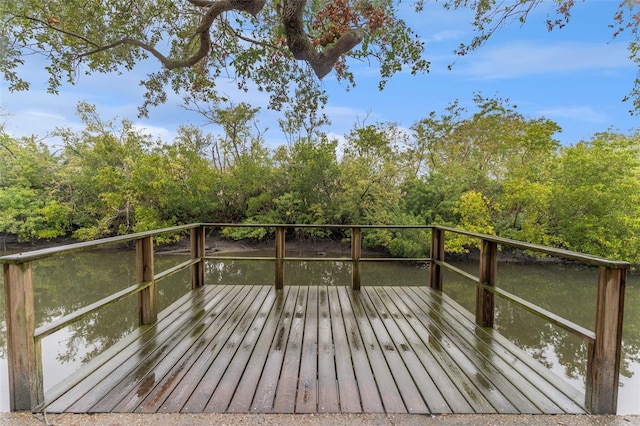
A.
pixel 604 343
pixel 24 339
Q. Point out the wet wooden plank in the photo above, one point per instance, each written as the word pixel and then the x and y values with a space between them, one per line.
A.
pixel 391 316
pixel 165 367
pixel 449 382
pixel 226 388
pixel 389 392
pixel 174 378
pixel 348 394
pixel 503 395
pixel 285 399
pixel 328 400
pixel 173 398
pixel 142 378
pixel 240 324
pixel 245 392
pixel 266 390
pixel 109 363
pixel 307 397
pixel 465 380
pixel 367 386
pixel 398 369
pixel 139 374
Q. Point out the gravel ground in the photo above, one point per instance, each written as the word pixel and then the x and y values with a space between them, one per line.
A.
pixel 28 419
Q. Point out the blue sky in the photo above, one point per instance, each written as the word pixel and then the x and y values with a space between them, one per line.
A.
pixel 576 76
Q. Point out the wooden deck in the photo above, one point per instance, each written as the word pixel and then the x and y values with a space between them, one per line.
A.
pixel 315 349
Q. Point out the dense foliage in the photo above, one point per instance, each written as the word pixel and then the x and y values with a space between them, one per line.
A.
pixel 490 171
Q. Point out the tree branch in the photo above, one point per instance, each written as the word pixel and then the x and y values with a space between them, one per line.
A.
pixel 320 61
pixel 203 31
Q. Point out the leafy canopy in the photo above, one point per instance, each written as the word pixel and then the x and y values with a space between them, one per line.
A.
pixel 271 44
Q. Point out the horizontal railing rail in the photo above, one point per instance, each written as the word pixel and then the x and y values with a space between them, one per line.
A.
pixel 569 326
pixel 24 340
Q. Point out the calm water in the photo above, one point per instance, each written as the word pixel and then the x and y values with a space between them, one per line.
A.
pixel 65 284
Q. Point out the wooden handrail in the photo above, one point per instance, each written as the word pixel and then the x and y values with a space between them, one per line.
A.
pixel 30 256
pixel 565 254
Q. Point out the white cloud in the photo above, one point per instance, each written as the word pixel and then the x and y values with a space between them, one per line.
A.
pixel 445 35
pixel 523 58
pixel 156 132
pixel 583 113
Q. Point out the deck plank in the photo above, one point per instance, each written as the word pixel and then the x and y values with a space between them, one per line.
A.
pixel 425 386
pixel 328 400
pixel 285 399
pixel 443 378
pixel 391 396
pixel 129 394
pixel 87 392
pixel 503 395
pixel 465 380
pixel 307 397
pixel 197 401
pixel 308 349
pixel 347 386
pixel 173 391
pixel 223 393
pixel 190 359
pixel 241 401
pixel 367 386
pixel 398 369
pixel 266 391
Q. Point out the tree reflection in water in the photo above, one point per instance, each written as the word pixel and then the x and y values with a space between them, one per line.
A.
pixel 65 284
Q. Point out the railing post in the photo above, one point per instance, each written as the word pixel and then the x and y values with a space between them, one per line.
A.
pixel 26 388
pixel 603 365
pixel 280 232
pixel 488 269
pixel 197 241
pixel 437 254
pixel 356 254
pixel 147 300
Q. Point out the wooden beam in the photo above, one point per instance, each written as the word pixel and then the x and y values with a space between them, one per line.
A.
pixel 280 254
pixel 26 389
pixel 147 300
pixel 437 254
pixel 487 276
pixel 356 254
pixel 603 364
pixel 197 252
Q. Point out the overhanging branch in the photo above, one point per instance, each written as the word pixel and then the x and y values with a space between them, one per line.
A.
pixel 301 47
pixel 214 9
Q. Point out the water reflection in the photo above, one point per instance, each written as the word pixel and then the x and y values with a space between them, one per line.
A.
pixel 64 284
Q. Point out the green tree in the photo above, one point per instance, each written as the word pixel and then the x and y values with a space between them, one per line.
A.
pixel 97 180
pixel 27 185
pixel 308 175
pixel 595 203
pixel 495 152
